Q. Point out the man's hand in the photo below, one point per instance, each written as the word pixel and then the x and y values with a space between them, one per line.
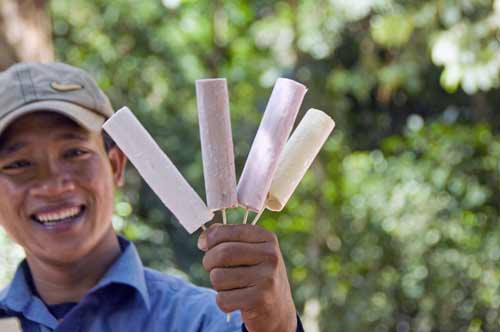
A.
pixel 248 272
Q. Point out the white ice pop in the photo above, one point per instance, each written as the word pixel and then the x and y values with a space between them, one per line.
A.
pixel 216 143
pixel 157 170
pixel 268 144
pixel 298 155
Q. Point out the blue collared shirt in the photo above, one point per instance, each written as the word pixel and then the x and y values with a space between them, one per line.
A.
pixel 129 297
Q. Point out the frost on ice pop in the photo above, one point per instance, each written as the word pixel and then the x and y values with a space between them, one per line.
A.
pixel 273 132
pixel 216 143
pixel 298 155
pixel 157 170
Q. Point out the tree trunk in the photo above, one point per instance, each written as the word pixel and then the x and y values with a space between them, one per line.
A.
pixel 25 32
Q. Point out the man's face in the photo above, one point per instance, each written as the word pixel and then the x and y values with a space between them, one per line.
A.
pixel 56 187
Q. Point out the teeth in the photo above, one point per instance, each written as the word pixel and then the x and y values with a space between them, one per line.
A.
pixel 49 218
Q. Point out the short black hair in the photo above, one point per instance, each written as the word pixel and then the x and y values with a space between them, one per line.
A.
pixel 108 141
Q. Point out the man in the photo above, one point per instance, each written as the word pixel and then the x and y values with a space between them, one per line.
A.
pixel 58 173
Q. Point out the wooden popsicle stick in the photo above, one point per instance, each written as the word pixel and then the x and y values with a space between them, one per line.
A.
pixel 254 221
pixel 245 218
pixel 203 227
pixel 224 217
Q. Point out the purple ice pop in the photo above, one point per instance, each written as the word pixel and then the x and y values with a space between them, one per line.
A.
pixel 273 132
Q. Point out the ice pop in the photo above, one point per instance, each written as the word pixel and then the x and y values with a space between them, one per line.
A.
pixel 268 144
pixel 216 144
pixel 10 325
pixel 298 155
pixel 157 170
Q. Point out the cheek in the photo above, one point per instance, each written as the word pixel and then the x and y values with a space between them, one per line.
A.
pixel 11 193
pixel 96 177
pixel 11 203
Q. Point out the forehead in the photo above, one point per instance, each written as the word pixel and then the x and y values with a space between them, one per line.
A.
pixel 39 125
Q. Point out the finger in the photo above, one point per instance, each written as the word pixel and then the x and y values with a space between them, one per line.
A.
pixel 237 233
pixel 202 240
pixel 250 299
pixel 234 254
pixel 239 299
pixel 224 279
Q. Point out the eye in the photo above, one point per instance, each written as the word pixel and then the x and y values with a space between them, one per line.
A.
pixel 18 164
pixel 75 153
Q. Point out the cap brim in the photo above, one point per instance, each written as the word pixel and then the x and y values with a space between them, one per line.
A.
pixel 84 117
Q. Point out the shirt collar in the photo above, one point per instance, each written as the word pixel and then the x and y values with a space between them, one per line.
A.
pixel 17 295
pixel 126 270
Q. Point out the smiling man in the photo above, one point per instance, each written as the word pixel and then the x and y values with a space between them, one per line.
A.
pixel 58 174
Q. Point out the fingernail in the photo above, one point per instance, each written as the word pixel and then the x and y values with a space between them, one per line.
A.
pixel 202 242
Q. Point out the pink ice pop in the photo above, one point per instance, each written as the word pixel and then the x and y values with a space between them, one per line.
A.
pixel 216 143
pixel 273 132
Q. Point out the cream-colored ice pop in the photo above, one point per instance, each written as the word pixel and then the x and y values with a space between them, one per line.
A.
pixel 157 170
pixel 216 144
pixel 268 144
pixel 298 155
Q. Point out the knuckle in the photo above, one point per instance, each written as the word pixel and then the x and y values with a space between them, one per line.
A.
pixel 220 255
pixel 272 256
pixel 269 282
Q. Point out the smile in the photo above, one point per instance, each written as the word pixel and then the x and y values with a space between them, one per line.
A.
pixel 62 215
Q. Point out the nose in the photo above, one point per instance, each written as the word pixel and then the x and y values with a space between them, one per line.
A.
pixel 52 183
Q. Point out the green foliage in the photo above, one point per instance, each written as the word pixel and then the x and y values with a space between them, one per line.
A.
pixel 395 227
pixel 392 30
pixel 404 235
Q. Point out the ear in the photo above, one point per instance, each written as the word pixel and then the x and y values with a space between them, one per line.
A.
pixel 118 161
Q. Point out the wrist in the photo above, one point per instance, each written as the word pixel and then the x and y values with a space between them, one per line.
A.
pixel 288 325
pixel 291 324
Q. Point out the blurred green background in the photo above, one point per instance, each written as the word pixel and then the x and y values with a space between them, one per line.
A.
pixel 395 226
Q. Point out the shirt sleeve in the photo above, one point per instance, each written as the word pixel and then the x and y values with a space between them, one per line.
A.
pixel 300 328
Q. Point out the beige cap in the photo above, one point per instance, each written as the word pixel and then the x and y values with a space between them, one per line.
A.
pixel 58 87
